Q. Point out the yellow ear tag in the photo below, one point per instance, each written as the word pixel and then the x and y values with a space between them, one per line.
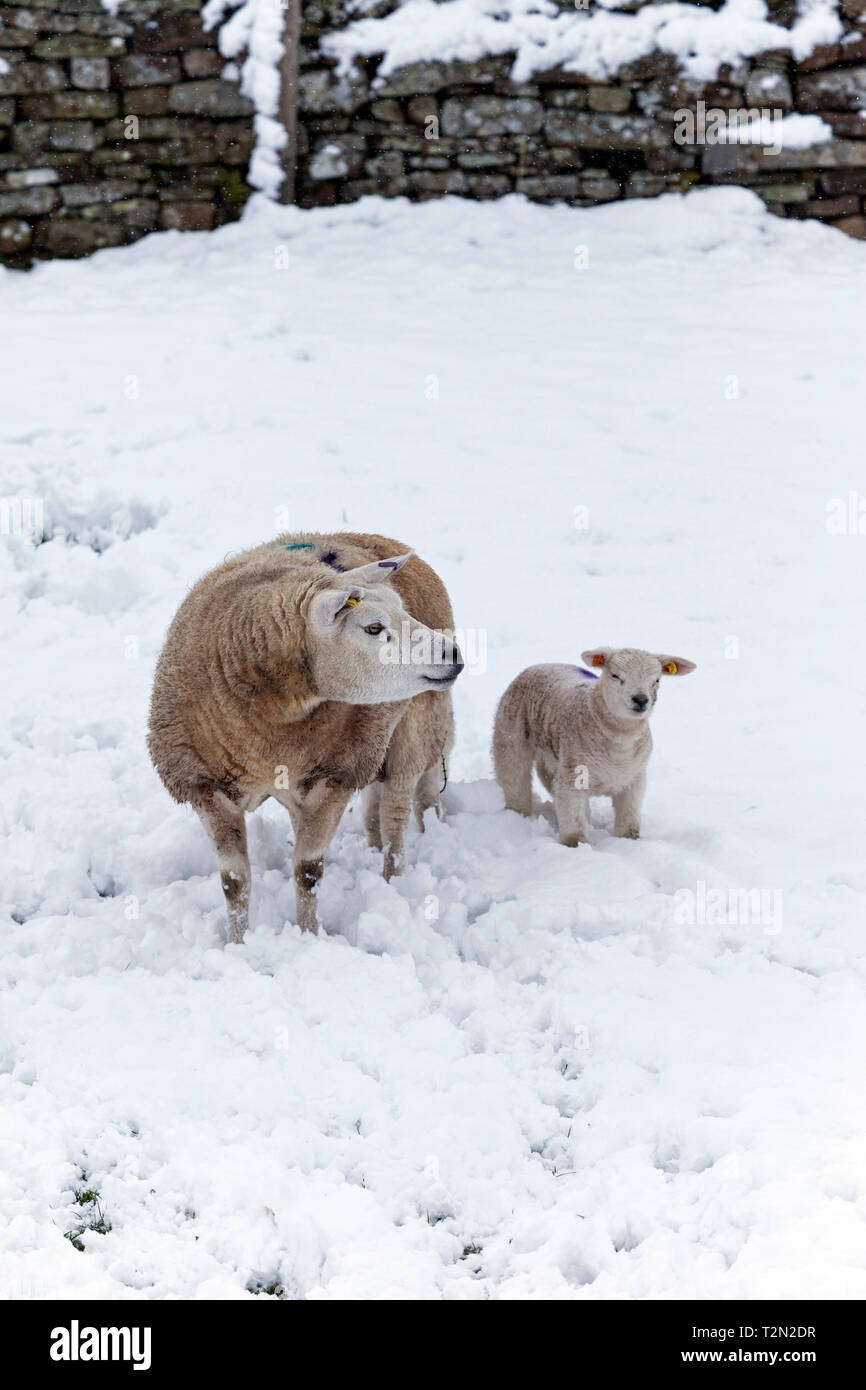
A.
pixel 671 668
pixel 598 661
pixel 352 603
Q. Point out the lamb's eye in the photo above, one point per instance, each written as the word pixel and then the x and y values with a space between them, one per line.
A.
pixel 374 629
pixel 614 677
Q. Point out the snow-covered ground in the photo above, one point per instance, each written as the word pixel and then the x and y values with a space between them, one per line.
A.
pixel 517 1071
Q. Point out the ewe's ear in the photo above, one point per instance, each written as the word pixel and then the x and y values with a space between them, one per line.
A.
pixel 378 571
pixel 328 605
pixel 597 656
pixel 675 665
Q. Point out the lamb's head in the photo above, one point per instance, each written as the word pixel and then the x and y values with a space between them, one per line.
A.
pixel 365 649
pixel 630 678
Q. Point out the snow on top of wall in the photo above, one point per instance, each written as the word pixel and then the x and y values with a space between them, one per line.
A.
pixel 255 27
pixel 794 132
pixel 596 42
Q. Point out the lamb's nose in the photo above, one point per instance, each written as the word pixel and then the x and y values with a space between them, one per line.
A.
pixel 640 701
pixel 457 660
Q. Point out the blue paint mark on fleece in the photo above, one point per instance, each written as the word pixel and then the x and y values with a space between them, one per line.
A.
pixel 300 545
pixel 582 671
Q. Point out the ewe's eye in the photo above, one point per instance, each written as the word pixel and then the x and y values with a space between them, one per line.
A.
pixel 375 628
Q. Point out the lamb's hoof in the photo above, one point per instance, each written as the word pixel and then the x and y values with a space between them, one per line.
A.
pixel 572 841
pixel 633 833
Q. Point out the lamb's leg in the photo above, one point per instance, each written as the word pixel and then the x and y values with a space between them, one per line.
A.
pixel 627 806
pixel 394 808
pixel 427 793
pixel 513 756
pixel 315 820
pixel 226 828
pixel 572 809
pixel 370 799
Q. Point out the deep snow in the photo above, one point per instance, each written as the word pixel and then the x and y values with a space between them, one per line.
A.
pixel 516 1072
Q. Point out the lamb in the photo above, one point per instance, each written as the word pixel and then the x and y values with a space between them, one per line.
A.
pixel 295 671
pixel 586 735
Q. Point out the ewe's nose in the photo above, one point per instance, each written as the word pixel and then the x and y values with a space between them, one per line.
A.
pixel 640 701
pixel 456 659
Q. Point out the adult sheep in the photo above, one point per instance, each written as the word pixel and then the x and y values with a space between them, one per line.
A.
pixel 305 669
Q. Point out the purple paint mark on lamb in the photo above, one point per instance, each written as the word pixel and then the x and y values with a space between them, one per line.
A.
pixel 387 564
pixel 331 559
pixel 582 671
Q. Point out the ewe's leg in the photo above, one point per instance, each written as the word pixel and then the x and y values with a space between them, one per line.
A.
pixel 370 800
pixel 394 808
pixel 545 766
pixel 512 763
pixel 427 793
pixel 315 821
pixel 572 809
pixel 227 831
pixel 627 808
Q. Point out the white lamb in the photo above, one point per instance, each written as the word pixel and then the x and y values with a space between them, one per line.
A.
pixel 586 734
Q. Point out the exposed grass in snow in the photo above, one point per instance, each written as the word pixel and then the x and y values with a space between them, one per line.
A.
pixel 513 1072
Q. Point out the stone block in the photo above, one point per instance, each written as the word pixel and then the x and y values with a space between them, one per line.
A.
pixel 91 74
pixel 483 116
pixel 28 202
pixel 320 91
pixel 188 217
pixel 852 226
pixel 767 87
pixel 338 158
pixel 77 195
pixel 613 99
pixel 145 101
pixel 15 236
pixel 202 62
pixel 36 136
pixel 148 70
pixel 69 105
pixel 417 79
pixel 550 186
pixel 74 236
pixel 840 90
pixel 209 98
pixel 604 132
pixel 25 79
pixel 80 46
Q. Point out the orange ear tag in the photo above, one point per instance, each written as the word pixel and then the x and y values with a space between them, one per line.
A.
pixel 598 660
pixel 671 668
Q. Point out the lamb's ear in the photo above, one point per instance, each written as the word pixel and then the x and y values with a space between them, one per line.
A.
pixel 675 665
pixel 329 604
pixel 597 656
pixel 378 571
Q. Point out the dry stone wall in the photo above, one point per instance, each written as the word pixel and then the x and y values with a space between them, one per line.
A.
pixel 114 125
pixel 466 128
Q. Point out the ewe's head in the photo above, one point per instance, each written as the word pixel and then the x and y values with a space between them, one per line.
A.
pixel 365 649
pixel 630 678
